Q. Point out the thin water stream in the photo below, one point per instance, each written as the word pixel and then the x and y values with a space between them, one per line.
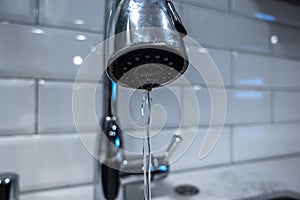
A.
pixel 146 113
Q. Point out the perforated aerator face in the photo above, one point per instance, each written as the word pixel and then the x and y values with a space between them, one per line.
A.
pixel 146 68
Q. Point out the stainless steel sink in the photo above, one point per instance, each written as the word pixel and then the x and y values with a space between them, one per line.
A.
pixel 283 198
pixel 280 195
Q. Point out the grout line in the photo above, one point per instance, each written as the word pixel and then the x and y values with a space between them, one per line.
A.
pixel 57 188
pixel 248 51
pixel 230 5
pixel 206 7
pixel 270 158
pixel 58 134
pixel 230 126
pixel 243 87
pixel 267 123
pixel 240 163
pixel 37 12
pixel 272 106
pixel 50 79
pixel 170 129
pixel 182 86
pixel 231 137
pixel 203 86
pixel 69 28
pixel 50 26
pixel 232 69
pixel 36 109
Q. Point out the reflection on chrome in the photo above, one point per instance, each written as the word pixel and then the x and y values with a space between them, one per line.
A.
pixel 77 60
pixel 197 87
pixel 37 31
pixel 41 82
pixel 81 37
pixel 274 39
pixel 79 22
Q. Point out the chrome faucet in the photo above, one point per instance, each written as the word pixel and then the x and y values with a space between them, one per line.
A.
pixel 9 186
pixel 147 51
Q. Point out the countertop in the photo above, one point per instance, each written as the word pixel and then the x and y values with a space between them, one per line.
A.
pixel 255 180
pixel 246 181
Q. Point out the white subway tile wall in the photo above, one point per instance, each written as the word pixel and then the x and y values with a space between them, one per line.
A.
pixel 18 10
pixel 221 59
pixel 262 141
pixel 243 106
pixel 40 52
pixel 72 14
pixel 286 106
pixel 279 11
pixel 265 71
pixel 45 161
pixel 17 108
pixel 74 193
pixel 255 45
pixel 219 155
pixel 288 43
pixel 223 30
pixel 55 111
pixel 215 4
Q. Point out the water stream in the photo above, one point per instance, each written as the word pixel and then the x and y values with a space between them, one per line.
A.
pixel 146 113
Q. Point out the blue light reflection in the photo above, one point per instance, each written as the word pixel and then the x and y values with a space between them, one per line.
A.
pixel 265 17
pixel 117 142
pixel 114 91
pixel 163 168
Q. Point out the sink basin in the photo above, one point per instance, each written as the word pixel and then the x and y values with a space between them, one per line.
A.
pixel 283 198
pixel 281 195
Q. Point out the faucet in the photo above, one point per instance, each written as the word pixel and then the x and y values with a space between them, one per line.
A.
pixel 9 186
pixel 146 51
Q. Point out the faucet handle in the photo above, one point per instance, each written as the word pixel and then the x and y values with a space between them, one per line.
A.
pixel 9 186
pixel 176 19
pixel 175 141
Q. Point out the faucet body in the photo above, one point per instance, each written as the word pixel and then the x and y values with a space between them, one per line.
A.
pixel 148 40
pixel 9 186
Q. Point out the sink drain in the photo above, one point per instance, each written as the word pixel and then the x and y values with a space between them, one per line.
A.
pixel 187 190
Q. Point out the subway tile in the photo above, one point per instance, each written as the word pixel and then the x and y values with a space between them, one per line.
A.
pixel 166 107
pixel 285 106
pixel 17 109
pixel 133 140
pixel 265 71
pixel 264 141
pixel 219 58
pixel 88 15
pixel 219 155
pixel 246 106
pixel 219 29
pixel 242 106
pixel 56 111
pixel 268 10
pixel 43 52
pixel 216 4
pixel 48 160
pixel 287 43
pixel 18 10
pixel 74 193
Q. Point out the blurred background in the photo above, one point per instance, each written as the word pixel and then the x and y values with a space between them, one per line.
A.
pixel 256 47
